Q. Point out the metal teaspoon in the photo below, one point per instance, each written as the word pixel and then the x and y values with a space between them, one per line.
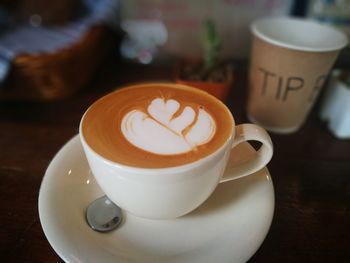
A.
pixel 103 215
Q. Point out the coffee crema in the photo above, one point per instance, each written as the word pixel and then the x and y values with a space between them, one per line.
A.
pixel 156 125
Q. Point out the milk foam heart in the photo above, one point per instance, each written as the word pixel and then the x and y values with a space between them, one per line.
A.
pixel 161 130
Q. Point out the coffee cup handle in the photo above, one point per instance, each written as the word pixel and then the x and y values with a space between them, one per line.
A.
pixel 250 132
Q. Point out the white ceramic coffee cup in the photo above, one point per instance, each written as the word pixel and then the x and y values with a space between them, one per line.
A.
pixel 163 193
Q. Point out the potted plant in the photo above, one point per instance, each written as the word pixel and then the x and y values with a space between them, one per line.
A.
pixel 209 74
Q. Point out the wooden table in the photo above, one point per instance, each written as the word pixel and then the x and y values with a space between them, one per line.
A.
pixel 310 171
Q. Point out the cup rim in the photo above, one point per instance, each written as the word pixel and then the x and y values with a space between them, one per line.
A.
pixel 165 170
pixel 280 31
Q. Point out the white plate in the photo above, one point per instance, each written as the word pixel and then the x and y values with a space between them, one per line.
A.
pixel 229 227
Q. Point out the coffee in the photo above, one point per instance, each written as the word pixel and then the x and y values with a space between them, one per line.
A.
pixel 157 125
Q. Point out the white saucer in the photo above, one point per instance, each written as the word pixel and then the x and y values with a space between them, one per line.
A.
pixel 229 227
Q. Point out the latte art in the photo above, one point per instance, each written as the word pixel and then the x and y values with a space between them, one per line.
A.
pixel 166 131
pixel 156 125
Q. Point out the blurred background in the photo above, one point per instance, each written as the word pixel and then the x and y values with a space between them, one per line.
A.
pixel 39 38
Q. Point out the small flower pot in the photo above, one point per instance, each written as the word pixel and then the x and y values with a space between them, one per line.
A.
pixel 218 89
